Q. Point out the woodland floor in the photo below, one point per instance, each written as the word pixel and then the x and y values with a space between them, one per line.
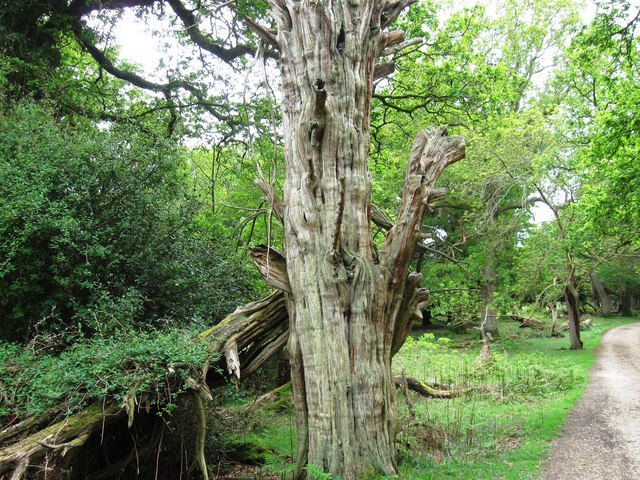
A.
pixel 601 439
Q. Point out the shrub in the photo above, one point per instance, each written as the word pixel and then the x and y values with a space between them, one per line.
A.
pixel 154 364
pixel 101 224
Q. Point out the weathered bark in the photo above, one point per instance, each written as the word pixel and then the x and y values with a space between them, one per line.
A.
pixel 66 435
pixel 485 352
pixel 350 308
pixel 488 313
pixel 601 294
pixel 573 306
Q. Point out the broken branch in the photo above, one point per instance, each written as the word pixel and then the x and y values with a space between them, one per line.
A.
pixel 422 388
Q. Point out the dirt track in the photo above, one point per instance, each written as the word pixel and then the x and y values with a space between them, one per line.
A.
pixel 601 440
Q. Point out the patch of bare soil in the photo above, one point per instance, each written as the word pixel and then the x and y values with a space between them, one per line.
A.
pixel 601 440
pixel 240 471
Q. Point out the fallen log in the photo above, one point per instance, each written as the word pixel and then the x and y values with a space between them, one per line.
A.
pixel 528 322
pixel 585 324
pixel 422 388
pixel 70 433
pixel 244 340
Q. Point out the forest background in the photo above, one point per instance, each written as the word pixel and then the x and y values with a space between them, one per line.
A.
pixel 129 199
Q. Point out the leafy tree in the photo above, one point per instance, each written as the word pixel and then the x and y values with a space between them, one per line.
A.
pixel 98 228
pixel 478 73
pixel 601 98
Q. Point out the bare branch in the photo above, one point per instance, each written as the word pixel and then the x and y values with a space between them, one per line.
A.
pixel 381 218
pixel 393 38
pixel 432 152
pixel 99 56
pixel 277 205
pixel 516 206
pixel 422 388
pixel 402 46
pixel 263 33
pixel 206 43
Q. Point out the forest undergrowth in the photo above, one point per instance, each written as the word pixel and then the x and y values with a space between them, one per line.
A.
pixel 499 424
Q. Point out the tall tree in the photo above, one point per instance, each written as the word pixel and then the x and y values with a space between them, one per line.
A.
pixel 350 307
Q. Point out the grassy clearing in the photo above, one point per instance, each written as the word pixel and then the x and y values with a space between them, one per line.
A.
pixel 499 426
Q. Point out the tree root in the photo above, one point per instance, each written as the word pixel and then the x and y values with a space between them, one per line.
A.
pixel 201 438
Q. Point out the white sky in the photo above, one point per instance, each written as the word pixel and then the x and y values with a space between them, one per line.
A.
pixel 138 45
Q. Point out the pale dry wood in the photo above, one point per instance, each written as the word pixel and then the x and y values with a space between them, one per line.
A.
pixel 392 50
pixel 272 265
pixel 485 352
pixel 200 459
pixel 31 422
pixel 528 322
pixel 277 206
pixel 383 69
pixel 26 451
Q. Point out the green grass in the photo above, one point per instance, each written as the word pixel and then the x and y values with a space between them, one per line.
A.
pixel 500 426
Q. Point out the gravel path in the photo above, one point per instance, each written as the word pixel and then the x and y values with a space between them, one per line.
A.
pixel 601 440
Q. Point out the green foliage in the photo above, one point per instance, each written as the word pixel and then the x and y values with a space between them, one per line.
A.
pixel 98 227
pixel 601 119
pixel 506 377
pixel 511 408
pixel 427 343
pixel 154 364
pixel 318 473
pixel 500 425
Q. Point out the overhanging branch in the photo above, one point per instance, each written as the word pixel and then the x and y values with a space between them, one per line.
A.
pixel 101 58
pixel 192 27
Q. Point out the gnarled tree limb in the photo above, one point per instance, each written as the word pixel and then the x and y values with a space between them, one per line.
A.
pixel 432 152
pixel 256 330
pixel 272 265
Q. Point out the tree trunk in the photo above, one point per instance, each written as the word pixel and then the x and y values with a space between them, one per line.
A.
pixel 601 294
pixel 349 308
pixel 573 307
pixel 341 377
pixel 554 319
pixel 427 318
pixel 488 313
pixel 626 302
